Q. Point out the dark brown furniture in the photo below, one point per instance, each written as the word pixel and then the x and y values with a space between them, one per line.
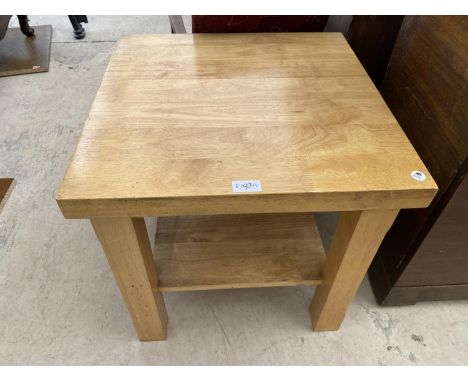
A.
pixel 372 39
pixel 425 254
pixel 246 24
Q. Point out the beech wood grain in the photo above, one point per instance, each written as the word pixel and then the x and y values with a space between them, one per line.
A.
pixel 179 117
pixel 238 251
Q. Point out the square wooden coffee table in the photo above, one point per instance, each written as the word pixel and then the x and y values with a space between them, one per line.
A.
pixel 233 141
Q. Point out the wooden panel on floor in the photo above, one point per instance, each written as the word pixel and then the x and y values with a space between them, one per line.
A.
pixel 238 251
pixel 21 55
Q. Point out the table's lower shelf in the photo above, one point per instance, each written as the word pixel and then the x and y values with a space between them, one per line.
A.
pixel 238 251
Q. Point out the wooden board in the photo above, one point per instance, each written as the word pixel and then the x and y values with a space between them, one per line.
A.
pixel 238 251
pixel 6 185
pixel 21 55
pixel 179 117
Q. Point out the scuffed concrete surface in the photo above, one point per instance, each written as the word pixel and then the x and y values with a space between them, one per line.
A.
pixel 60 305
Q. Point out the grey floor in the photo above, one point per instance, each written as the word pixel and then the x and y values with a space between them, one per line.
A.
pixel 60 305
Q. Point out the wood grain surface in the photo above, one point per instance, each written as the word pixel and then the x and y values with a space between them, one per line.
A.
pixel 238 251
pixel 125 242
pixel 179 117
pixel 357 238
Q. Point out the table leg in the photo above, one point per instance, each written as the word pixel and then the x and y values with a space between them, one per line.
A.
pixel 125 242
pixel 356 240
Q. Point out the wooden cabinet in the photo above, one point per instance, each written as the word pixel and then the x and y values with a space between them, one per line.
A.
pixel 372 39
pixel 425 254
pixel 442 258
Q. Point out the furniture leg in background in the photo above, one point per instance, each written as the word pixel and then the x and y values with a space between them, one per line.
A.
pixel 24 25
pixel 78 29
pixel 177 24
pixel 23 22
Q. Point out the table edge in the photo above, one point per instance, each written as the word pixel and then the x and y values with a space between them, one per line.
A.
pixel 245 203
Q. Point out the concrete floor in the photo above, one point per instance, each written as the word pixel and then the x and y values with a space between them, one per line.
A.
pixel 60 305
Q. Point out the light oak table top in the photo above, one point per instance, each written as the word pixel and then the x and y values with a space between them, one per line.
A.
pixel 179 117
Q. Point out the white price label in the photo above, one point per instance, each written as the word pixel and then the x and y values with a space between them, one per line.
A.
pixel 246 186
